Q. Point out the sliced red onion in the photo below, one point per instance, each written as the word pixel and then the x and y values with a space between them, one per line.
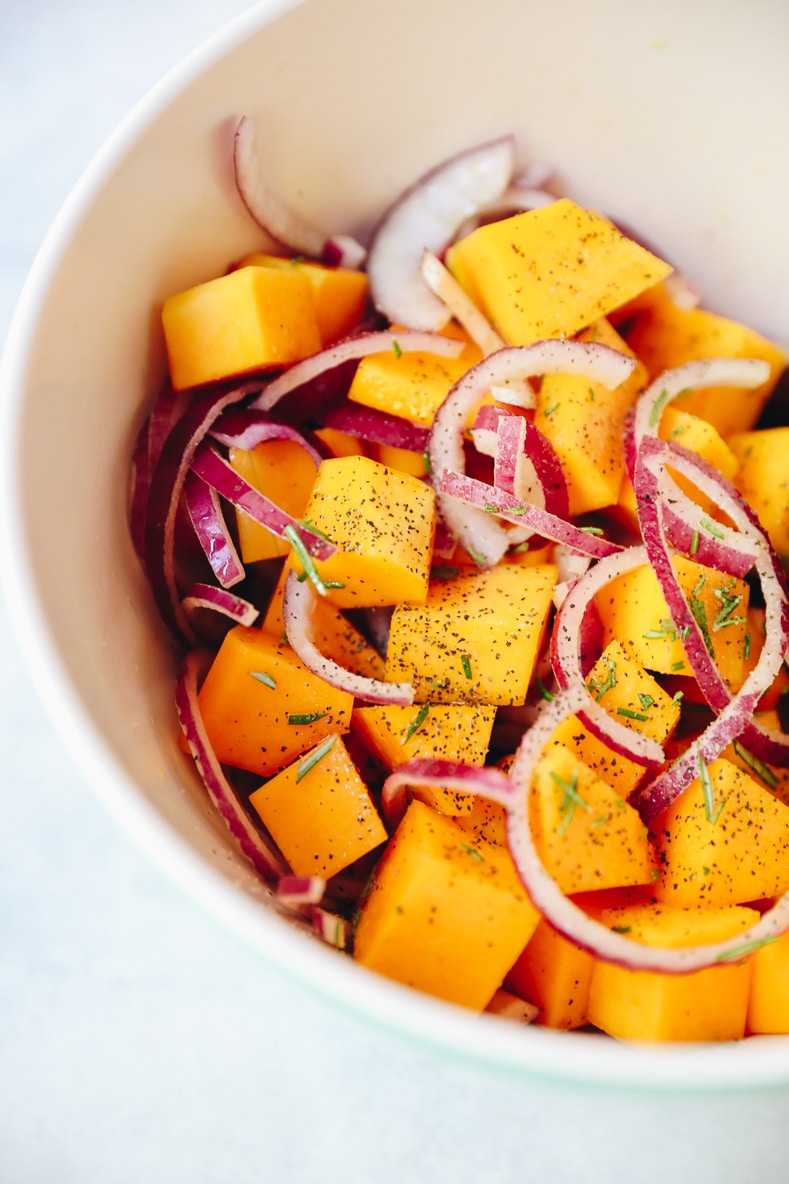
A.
pixel 242 428
pixel 264 858
pixel 529 192
pixel 221 476
pixel 298 610
pixel 426 217
pixel 527 466
pixel 472 527
pixel 418 774
pixel 566 656
pixel 376 427
pixel 351 349
pixel 147 450
pixel 167 481
pixel 205 514
pixel 293 891
pixel 492 502
pixel 332 928
pixel 220 600
pixel 277 219
pixel 459 304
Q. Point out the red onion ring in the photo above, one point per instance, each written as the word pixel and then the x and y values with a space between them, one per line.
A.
pixel 205 514
pixel 220 600
pixel 471 526
pixel 298 609
pixel 279 220
pixel 167 481
pixel 350 350
pixel 241 428
pixel 263 857
pixel 376 427
pixel 566 658
pixel 422 773
pixel 427 216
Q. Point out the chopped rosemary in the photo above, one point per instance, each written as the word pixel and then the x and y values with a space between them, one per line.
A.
pixel 728 604
pixel 711 528
pixel 608 683
pixel 747 648
pixel 621 928
pixel 312 758
pixel 591 529
pixel 657 409
pixel 266 679
pixel 426 462
pixel 748 947
pixel 639 715
pixel 550 410
pixel 306 560
pixel 544 692
pixel 307 718
pixel 762 771
pixel 472 851
pixel 700 613
pixel 466 664
pixel 398 353
pixel 416 722
pixel 479 559
pixel 677 666
pixel 694 542
pixel 667 629
pixel 708 789
pixel 646 701
pixel 571 799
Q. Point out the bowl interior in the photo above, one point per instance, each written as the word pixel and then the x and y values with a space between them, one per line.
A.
pixel 637 109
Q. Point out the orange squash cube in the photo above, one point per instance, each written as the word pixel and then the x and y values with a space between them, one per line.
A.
pixel 339 293
pixel 383 524
pixel 319 811
pixel 262 707
pixel 444 916
pixel 665 336
pixel 476 638
pixel 768 1005
pixel 641 1005
pixel 725 840
pixel 554 974
pixel 252 319
pixel 552 271
pixel 588 837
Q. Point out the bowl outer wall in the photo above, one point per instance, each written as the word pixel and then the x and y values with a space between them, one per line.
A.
pixel 639 112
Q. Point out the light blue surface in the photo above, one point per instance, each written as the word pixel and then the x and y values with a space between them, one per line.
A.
pixel 139 1043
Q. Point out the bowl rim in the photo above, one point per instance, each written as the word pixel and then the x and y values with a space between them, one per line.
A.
pixel 485 1041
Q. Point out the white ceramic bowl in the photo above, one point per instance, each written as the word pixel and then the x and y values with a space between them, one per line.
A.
pixel 671 117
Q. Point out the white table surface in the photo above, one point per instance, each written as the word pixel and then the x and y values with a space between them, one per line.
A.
pixel 139 1044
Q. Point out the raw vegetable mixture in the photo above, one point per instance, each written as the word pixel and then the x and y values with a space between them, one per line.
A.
pixel 471 540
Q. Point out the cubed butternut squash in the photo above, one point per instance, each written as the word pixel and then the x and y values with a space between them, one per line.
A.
pixel 705 1005
pixel 665 336
pixel 631 697
pixel 768 1005
pixel 553 271
pixel 476 638
pixel 725 840
pixel 382 523
pixel 554 974
pixel 262 707
pixel 252 319
pixel 444 916
pixel 411 385
pixel 633 609
pixel 763 479
pixel 587 836
pixel 319 812
pixel 339 293
pixel 585 421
